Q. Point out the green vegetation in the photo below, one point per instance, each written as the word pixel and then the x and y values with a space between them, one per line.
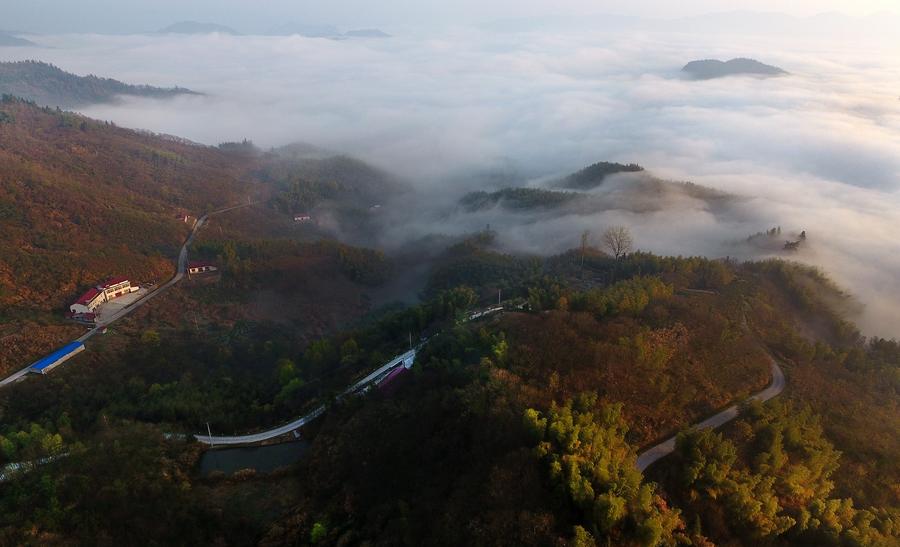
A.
pixel 514 428
pixel 48 85
pixel 781 485
pixel 123 486
pixel 524 425
pixel 250 263
pixel 593 466
pixel 517 199
pixel 593 175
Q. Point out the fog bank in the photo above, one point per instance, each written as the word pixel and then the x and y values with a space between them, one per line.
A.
pixel 818 150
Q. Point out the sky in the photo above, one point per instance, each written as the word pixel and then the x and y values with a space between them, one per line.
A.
pixel 117 16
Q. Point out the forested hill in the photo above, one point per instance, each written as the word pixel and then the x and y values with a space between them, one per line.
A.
pixel 82 199
pixel 708 69
pixel 49 85
pixel 593 175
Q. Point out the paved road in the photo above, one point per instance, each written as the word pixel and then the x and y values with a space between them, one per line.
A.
pixel 15 377
pixel 180 269
pixel 666 447
pixel 405 359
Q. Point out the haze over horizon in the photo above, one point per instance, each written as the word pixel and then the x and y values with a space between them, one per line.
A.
pixel 103 16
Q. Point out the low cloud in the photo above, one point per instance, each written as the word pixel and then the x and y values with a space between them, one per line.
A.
pixel 818 150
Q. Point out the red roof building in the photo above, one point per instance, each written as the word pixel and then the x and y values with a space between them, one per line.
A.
pixel 88 301
pixel 87 296
pixel 117 280
pixel 113 287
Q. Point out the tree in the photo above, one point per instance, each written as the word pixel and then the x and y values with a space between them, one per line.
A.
pixel 585 237
pixel 618 240
pixel 583 445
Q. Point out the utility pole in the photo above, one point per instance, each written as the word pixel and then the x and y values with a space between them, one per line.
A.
pixel 410 340
pixel 498 296
pixel 209 432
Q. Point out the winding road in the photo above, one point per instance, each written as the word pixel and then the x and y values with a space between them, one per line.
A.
pixel 644 460
pixel 404 359
pixel 648 457
pixel 180 269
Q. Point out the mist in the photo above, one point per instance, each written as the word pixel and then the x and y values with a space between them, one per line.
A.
pixel 818 150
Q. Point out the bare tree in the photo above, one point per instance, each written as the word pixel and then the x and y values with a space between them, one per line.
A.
pixel 618 240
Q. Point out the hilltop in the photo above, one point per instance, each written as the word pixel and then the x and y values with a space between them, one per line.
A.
pixel 712 68
pixel 640 194
pixel 593 175
pixel 49 85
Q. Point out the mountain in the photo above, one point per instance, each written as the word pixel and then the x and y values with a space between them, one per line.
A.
pixel 592 194
pixel 308 30
pixel 593 175
pixel 708 69
pixel 367 33
pixel 49 85
pixel 195 27
pixel 8 40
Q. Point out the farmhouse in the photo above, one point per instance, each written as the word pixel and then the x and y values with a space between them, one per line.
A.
pixel 195 268
pixel 113 287
pixel 302 218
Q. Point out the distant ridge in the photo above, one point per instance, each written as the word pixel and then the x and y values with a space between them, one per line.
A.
pixel 195 27
pixel 708 69
pixel 49 85
pixel 8 40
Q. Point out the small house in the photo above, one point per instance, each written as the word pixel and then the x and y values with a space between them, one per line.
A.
pixel 196 268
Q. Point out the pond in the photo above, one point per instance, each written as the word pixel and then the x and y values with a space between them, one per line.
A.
pixel 263 459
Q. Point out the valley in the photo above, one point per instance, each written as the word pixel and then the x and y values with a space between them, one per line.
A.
pixel 330 348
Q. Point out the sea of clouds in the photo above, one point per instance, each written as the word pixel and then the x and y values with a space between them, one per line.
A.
pixel 818 150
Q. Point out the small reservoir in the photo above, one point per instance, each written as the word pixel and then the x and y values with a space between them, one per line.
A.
pixel 263 459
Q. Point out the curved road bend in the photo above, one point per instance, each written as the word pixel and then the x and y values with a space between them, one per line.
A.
pixel 648 457
pixel 180 269
pixel 404 359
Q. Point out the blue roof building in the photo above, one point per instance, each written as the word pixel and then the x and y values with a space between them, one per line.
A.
pixel 58 357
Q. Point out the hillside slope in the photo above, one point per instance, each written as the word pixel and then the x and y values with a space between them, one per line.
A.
pixel 81 200
pixel 8 40
pixel 49 85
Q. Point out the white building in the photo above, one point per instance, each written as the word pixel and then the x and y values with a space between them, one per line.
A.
pixel 195 268
pixel 113 287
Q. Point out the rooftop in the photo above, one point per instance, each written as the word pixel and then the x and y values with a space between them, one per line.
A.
pixel 114 281
pixel 49 360
pixel 87 296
